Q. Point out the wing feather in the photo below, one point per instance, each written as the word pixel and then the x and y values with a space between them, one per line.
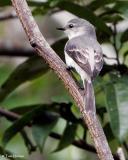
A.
pixel 98 63
pixel 81 57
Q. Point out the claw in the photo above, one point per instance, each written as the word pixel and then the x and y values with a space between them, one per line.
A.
pixel 69 68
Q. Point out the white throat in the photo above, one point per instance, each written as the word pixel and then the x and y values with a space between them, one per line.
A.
pixel 72 34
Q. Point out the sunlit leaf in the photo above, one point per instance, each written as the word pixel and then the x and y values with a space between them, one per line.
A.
pixel 41 131
pixel 61 99
pixel 67 137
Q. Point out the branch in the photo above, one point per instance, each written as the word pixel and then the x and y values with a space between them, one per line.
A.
pixel 18 52
pixel 9 115
pixel 38 42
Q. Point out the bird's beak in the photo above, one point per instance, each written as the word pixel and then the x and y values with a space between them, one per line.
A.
pixel 61 29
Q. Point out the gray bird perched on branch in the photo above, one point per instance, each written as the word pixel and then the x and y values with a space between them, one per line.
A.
pixel 84 54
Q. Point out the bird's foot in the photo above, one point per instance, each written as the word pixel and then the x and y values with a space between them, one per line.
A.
pixel 81 88
pixel 69 68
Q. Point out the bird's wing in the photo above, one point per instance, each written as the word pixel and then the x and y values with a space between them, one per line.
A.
pixel 81 57
pixel 98 57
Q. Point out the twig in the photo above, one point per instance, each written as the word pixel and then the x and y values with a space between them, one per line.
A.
pixel 18 52
pixel 38 42
pixel 78 143
pixel 9 115
pixel 112 58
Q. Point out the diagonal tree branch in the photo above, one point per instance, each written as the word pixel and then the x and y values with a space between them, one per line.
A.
pixel 38 42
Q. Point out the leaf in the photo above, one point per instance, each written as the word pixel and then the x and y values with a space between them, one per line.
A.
pixel 122 7
pixel 108 132
pixel 28 70
pixel 124 36
pixel 112 108
pixel 100 3
pixel 85 13
pixel 41 132
pixel 116 103
pixel 61 99
pixel 25 120
pixel 125 55
pixel 67 137
pixel 27 108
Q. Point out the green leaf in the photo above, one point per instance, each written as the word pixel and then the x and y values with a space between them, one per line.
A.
pixel 27 108
pixel 85 13
pixel 125 55
pixel 5 3
pixel 100 3
pixel 108 132
pixel 122 7
pixel 124 36
pixel 25 120
pixel 61 99
pixel 28 70
pixel 121 89
pixel 42 131
pixel 67 137
pixel 116 103
pixel 112 108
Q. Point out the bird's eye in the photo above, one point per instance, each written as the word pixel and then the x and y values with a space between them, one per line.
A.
pixel 71 25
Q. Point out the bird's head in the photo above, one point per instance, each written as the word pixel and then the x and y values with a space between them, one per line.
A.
pixel 77 27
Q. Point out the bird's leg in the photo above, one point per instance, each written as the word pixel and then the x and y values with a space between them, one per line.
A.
pixel 69 68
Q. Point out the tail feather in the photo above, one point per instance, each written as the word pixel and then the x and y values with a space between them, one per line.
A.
pixel 89 97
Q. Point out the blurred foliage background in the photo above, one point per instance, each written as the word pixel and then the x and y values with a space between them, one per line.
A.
pixel 38 119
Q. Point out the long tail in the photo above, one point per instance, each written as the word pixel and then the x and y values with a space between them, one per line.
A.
pixel 89 97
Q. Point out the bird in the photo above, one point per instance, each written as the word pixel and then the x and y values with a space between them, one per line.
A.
pixel 83 53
